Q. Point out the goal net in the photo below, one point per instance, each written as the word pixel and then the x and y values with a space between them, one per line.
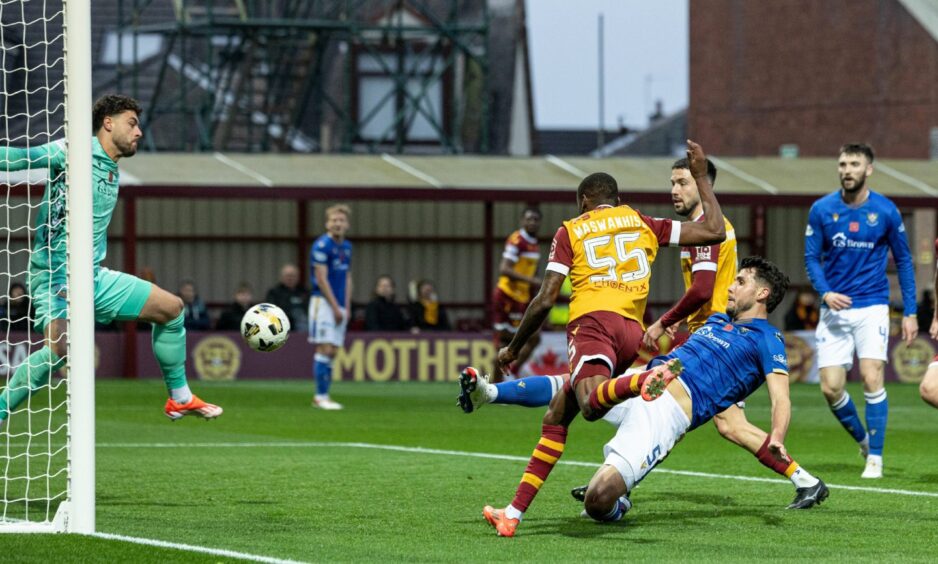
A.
pixel 38 448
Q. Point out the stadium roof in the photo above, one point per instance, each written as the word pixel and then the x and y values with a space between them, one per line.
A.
pixel 760 176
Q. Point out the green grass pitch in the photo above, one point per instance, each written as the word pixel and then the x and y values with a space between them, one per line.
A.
pixel 264 480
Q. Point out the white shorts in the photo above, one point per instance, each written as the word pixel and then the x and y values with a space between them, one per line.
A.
pixel 841 333
pixel 647 432
pixel 322 325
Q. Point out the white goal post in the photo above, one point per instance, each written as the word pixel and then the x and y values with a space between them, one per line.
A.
pixel 47 456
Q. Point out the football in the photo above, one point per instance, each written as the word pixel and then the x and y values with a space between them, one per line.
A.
pixel 265 327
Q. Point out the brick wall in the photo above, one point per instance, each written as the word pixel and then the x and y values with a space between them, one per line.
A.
pixel 816 73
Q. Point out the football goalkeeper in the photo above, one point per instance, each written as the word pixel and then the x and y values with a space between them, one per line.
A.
pixel 117 296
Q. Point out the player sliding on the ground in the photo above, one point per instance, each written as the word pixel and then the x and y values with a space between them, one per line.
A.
pixel 117 296
pixel 721 364
pixel 607 252
pixel 708 273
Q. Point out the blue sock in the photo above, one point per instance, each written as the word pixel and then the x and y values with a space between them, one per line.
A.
pixel 877 411
pixel 322 369
pixel 846 413
pixel 533 391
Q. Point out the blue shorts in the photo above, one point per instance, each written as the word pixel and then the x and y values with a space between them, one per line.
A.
pixel 117 296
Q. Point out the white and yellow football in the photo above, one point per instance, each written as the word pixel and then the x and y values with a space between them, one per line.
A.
pixel 265 327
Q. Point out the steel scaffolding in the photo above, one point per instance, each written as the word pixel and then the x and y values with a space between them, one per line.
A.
pixel 309 75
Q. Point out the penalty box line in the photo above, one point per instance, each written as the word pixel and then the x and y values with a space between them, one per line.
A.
pixel 432 451
pixel 194 548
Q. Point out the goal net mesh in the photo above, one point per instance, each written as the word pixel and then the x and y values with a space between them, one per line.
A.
pixel 33 438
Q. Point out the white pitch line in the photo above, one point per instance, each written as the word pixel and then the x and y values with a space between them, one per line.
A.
pixel 421 450
pixel 194 548
pixel 244 170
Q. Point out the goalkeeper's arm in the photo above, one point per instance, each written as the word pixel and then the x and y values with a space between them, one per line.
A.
pixel 50 155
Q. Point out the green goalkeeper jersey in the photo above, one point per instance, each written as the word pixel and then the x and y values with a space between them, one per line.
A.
pixel 49 249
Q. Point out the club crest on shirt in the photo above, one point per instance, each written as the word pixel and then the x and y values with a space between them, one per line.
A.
pixel 872 219
pixel 836 216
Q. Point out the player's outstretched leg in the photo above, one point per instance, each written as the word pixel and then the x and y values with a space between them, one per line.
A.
pixel 164 311
pixel 808 497
pixel 474 390
pixel 29 377
pixel 532 391
pixel 650 384
pixel 563 409
pixel 734 427
pixel 33 374
pixel 169 348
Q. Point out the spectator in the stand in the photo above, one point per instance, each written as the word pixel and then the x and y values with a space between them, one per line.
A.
pixel 804 312
pixel 230 319
pixel 382 313
pixel 196 314
pixel 426 312
pixel 291 296
pixel 15 310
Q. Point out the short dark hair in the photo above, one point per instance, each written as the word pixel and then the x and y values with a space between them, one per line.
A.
pixel 768 274
pixel 110 105
pixel 598 187
pixel 711 168
pixel 857 149
pixel 531 209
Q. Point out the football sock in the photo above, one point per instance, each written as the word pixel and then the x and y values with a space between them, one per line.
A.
pixel 846 413
pixel 169 348
pixel 877 411
pixel 546 454
pixel 29 376
pixel 533 391
pixel 791 469
pixel 181 395
pixel 617 390
pixel 618 510
pixel 322 370
pixel 801 478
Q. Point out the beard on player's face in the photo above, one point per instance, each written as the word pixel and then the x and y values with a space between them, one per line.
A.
pixel 684 207
pixel 856 183
pixel 126 146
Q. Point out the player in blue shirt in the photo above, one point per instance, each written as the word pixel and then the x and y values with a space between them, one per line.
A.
pixel 723 362
pixel 848 237
pixel 329 260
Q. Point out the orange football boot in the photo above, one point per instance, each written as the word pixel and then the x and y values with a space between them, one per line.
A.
pixel 504 526
pixel 662 375
pixel 175 410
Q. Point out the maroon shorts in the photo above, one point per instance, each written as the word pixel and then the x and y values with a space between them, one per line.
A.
pixel 601 341
pixel 506 312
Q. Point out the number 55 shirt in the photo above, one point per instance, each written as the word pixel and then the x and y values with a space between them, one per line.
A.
pixel 607 253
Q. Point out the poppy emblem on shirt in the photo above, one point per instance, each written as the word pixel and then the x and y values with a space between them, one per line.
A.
pixel 836 216
pixel 854 226
pixel 728 327
pixel 872 219
pixel 110 176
